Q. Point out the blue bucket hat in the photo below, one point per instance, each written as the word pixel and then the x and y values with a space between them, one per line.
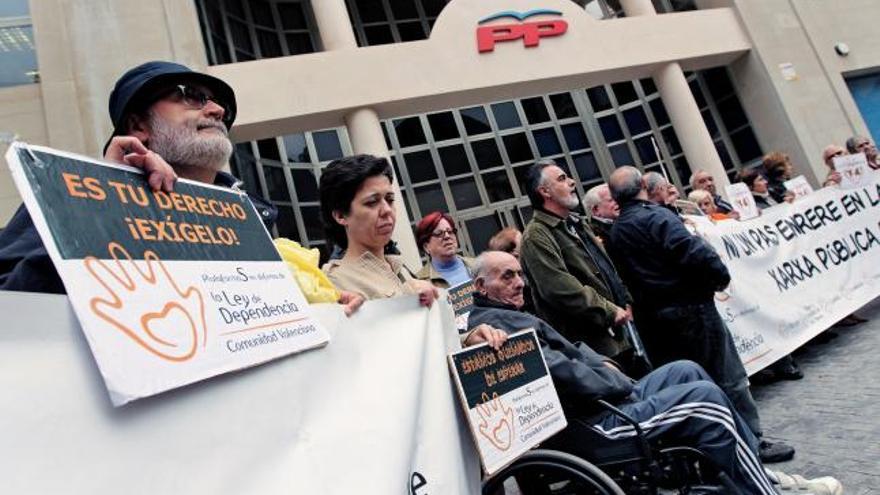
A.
pixel 135 89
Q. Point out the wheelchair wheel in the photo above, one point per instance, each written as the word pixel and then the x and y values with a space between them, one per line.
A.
pixel 550 472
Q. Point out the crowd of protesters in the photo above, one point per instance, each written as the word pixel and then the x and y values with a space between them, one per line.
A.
pixel 621 298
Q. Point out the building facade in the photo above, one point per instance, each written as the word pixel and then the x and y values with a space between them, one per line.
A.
pixel 672 86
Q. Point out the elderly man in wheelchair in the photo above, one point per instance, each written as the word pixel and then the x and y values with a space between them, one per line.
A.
pixel 632 430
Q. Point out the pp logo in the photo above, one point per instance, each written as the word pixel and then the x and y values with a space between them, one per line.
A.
pixel 530 32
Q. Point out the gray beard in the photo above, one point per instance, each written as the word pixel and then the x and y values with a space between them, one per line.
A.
pixel 184 146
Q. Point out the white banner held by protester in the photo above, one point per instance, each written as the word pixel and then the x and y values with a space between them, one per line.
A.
pixel 798 186
pixel 742 200
pixel 509 398
pixel 374 413
pixel 170 288
pixel 853 169
pixel 797 269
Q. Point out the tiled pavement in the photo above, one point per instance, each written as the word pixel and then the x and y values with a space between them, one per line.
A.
pixel 832 416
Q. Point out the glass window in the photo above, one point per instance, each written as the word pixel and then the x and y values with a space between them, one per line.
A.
pixel 371 10
pixel 404 10
pixel 671 140
pixel 409 132
pixel 299 43
pixel 297 151
pixel 645 149
pixel 621 155
pixel 745 144
pixel 486 153
pixel 245 168
pixel 430 198
pixel 268 149
pixel 711 126
pixel 698 93
pixel 732 113
pixel 648 86
pixel 625 92
pixel 286 223
pixel 411 31
pixel 465 193
pixel 587 169
pixel 292 15
pixel 385 134
pixel 599 98
pixel 683 169
pixel 454 160
pixel 443 126
pixel 433 7
pixel 270 45
pixel 497 186
pixel 610 128
pixel 420 166
pixel 240 35
pixel 518 149
pixel 535 110
pixel 636 120
pixel 276 183
pixel 311 216
pixel 547 142
pixel 481 229
pixel 305 185
pixel 717 82
pixel 261 13
pixel 575 137
pixel 327 145
pixel 378 35
pixel 563 105
pixel 475 121
pixel 18 57
pixel 505 115
pixel 723 154
pixel 659 111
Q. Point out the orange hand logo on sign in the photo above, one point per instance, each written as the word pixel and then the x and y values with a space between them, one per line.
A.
pixel 496 421
pixel 174 329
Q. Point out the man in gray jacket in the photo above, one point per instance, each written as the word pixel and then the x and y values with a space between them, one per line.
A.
pixel 676 404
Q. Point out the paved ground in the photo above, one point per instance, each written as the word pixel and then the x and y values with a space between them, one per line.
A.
pixel 832 416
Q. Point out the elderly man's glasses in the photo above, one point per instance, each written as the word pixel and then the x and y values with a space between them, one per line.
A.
pixel 440 234
pixel 194 97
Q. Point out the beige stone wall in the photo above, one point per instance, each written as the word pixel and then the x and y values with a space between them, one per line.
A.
pixel 802 116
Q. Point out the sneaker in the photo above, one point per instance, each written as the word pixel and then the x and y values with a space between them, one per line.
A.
pixel 792 484
pixel 774 452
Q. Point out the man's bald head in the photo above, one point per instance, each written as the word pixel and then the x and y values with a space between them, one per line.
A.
pixel 626 185
pixel 499 277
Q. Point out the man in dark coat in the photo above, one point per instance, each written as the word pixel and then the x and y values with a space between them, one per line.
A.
pixel 673 277
pixel 574 285
pixel 169 121
pixel 677 404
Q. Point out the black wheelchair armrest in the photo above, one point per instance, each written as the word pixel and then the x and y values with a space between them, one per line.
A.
pixel 644 446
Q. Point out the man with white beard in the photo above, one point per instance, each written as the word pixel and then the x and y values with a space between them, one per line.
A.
pixel 169 121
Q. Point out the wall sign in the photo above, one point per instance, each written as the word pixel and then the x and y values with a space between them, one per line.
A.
pixel 530 32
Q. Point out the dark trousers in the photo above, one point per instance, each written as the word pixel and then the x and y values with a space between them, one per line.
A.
pixel 678 404
pixel 696 332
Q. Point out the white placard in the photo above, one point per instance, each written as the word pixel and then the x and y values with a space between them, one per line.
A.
pixel 170 288
pixel 509 398
pixel 799 186
pixel 742 200
pixel 853 169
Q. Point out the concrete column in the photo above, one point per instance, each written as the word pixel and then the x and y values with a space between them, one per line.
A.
pixel 364 128
pixel 684 113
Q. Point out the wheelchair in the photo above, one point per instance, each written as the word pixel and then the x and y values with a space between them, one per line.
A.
pixel 612 467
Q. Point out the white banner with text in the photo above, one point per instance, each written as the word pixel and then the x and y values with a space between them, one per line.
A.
pixel 373 413
pixel 797 269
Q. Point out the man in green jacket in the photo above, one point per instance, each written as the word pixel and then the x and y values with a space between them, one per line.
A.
pixel 574 284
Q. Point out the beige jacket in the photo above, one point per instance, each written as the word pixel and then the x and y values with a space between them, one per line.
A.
pixel 371 277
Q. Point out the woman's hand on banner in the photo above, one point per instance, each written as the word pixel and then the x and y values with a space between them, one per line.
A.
pixel 129 150
pixel 350 301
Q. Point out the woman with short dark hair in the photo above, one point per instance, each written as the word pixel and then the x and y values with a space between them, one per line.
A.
pixel 778 169
pixel 758 185
pixel 357 207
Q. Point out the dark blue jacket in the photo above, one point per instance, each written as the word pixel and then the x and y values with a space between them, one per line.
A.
pixel 579 373
pixel 661 262
pixel 25 264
